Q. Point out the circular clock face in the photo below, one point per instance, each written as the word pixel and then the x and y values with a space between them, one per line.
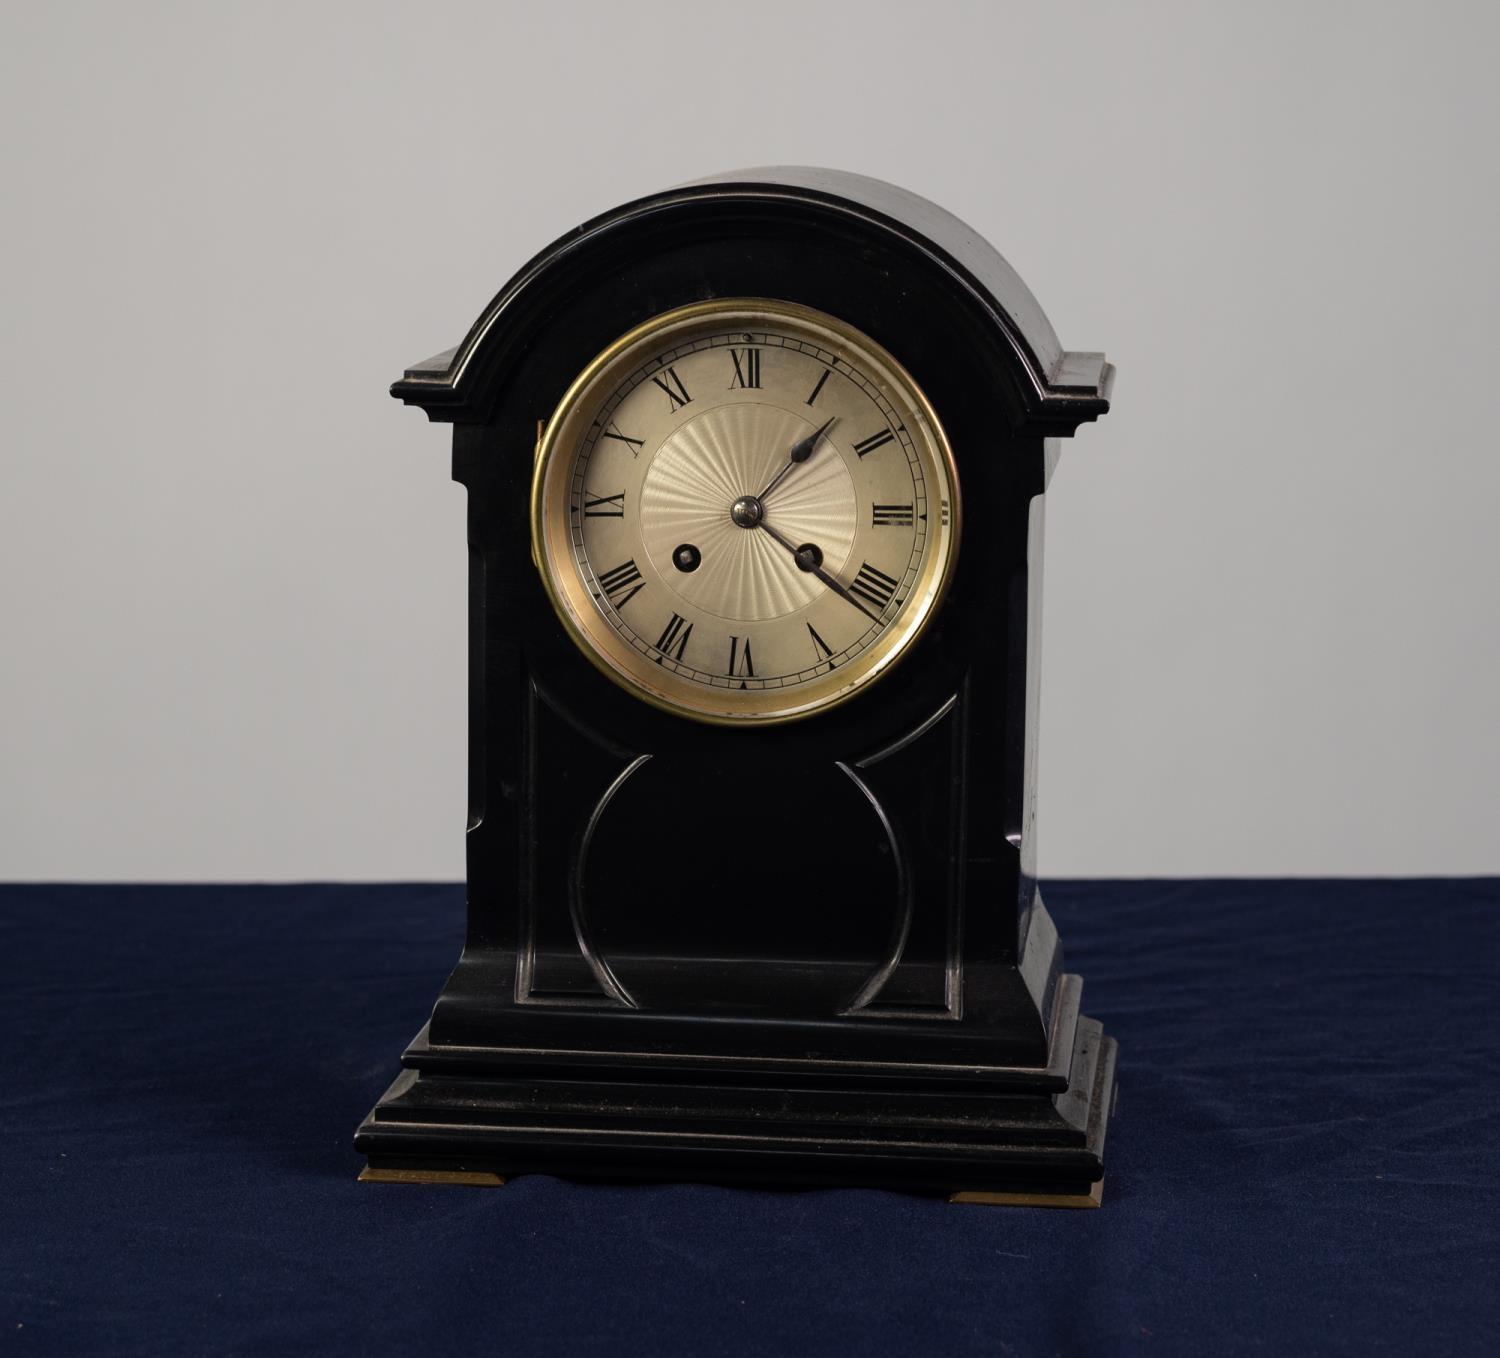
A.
pixel 744 511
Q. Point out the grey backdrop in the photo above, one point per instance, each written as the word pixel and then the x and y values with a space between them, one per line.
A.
pixel 232 570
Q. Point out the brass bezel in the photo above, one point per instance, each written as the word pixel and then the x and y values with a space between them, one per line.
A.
pixel 569 595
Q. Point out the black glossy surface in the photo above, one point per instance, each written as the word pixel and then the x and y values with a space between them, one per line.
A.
pixel 893 934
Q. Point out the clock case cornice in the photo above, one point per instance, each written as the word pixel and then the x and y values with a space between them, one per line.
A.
pixel 1053 389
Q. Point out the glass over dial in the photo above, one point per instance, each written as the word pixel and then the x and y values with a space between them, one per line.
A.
pixel 744 511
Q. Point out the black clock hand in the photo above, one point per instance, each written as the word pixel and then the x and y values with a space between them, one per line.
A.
pixel 801 451
pixel 810 559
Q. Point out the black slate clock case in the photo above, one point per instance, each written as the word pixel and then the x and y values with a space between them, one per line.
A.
pixel 810 953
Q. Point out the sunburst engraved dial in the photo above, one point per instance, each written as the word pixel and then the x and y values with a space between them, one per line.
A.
pixel 744 511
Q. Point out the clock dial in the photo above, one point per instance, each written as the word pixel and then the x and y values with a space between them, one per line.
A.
pixel 744 511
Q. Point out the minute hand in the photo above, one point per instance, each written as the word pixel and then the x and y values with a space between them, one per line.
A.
pixel 831 581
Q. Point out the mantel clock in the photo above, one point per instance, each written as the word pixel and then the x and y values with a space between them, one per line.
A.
pixel 756 471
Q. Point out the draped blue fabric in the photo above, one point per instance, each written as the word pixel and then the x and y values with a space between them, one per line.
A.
pixel 1305 1159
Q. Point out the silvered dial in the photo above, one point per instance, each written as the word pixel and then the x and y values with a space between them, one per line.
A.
pixel 744 511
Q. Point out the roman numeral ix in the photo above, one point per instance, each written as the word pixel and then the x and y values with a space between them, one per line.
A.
pixel 604 506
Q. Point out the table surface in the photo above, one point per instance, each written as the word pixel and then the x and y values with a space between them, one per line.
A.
pixel 1304 1157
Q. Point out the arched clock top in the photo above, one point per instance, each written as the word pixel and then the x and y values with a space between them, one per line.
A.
pixel 1054 389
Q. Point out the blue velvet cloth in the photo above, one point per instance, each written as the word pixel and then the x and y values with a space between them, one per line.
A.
pixel 1304 1159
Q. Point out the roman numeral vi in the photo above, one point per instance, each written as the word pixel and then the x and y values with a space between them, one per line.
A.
pixel 740 663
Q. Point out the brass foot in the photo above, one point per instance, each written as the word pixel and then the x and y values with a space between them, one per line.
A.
pixel 1090 1199
pixel 476 1177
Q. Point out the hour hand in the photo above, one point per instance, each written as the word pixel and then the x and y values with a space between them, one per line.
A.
pixel 801 451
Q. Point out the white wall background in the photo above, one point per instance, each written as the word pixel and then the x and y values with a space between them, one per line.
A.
pixel 232 570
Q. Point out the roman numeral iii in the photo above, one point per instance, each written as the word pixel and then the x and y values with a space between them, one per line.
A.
pixel 670 383
pixel 746 367
pixel 893 516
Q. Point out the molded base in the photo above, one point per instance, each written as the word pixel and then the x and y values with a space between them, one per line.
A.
pixel 1042 1147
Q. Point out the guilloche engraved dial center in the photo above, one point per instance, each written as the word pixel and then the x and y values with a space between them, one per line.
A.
pixel 699 486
